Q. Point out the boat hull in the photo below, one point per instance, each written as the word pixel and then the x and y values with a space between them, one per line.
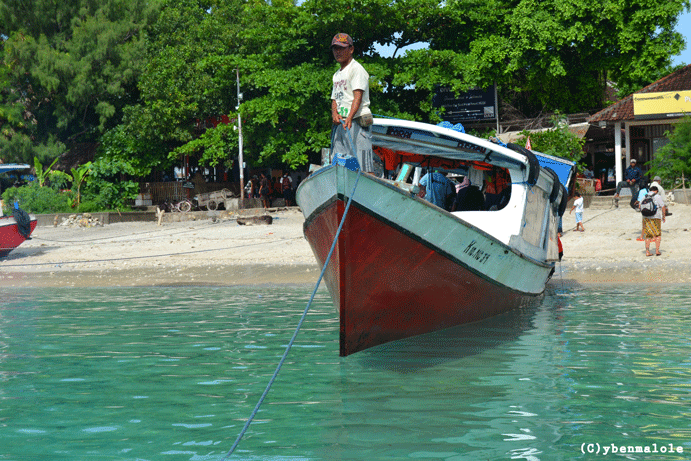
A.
pixel 388 283
pixel 10 238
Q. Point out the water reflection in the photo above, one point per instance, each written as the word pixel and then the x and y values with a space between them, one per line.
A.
pixel 138 373
pixel 434 349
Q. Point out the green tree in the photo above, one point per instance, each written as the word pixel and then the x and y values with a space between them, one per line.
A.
pixel 69 69
pixel 555 55
pixel 41 173
pixel 186 83
pixel 672 162
pixel 79 175
pixel 111 185
pixel 544 56
pixel 557 141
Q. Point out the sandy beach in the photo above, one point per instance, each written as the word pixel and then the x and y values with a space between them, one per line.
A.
pixel 222 252
pixel 608 252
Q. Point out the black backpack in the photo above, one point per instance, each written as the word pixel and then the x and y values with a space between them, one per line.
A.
pixel 648 207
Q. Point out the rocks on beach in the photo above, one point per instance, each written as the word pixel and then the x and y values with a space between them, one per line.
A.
pixel 82 220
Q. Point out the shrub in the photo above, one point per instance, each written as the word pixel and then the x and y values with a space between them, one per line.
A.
pixel 33 198
pixel 673 161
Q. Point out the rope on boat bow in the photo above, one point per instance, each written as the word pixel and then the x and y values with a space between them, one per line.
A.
pixel 302 319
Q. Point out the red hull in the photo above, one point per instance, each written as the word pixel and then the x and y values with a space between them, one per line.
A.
pixel 10 238
pixel 388 285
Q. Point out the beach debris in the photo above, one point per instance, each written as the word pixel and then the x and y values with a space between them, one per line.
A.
pixel 252 220
pixel 159 214
pixel 82 220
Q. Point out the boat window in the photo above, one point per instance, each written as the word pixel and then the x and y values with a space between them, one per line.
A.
pixel 474 187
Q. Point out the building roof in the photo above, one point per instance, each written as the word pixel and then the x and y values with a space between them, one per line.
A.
pixel 579 129
pixel 679 80
pixel 591 132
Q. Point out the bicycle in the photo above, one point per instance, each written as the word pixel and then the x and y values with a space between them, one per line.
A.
pixel 183 206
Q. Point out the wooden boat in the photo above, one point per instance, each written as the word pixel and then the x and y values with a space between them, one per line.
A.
pixel 403 266
pixel 10 235
pixel 14 230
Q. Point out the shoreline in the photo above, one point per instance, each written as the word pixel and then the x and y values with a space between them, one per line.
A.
pixel 223 253
pixel 218 276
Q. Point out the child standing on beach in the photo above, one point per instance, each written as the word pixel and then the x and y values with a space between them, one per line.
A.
pixel 578 206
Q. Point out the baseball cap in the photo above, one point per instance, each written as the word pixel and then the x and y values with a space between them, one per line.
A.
pixel 342 40
pixel 657 178
pixel 633 160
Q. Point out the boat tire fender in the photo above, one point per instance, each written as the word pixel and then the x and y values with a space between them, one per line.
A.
pixel 534 164
pixel 564 200
pixel 555 184
pixel 23 221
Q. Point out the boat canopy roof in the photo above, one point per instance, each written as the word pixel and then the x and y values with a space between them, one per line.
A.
pixel 565 169
pixel 7 167
pixel 424 144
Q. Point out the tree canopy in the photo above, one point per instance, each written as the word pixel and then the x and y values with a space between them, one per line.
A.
pixel 69 69
pixel 672 162
pixel 149 80
pixel 557 141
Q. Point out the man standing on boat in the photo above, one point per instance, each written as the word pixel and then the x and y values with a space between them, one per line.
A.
pixel 350 110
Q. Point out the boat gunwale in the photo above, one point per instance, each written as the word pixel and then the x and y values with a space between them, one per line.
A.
pixel 9 220
pixel 338 196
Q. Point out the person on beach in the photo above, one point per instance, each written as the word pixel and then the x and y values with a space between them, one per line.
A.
pixel 264 190
pixel 652 225
pixel 578 206
pixel 287 189
pixel 632 176
pixel 642 192
pixel 350 111
pixel 641 195
pixel 661 192
pixel 252 186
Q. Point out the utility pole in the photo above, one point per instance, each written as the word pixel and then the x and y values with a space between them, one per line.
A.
pixel 240 160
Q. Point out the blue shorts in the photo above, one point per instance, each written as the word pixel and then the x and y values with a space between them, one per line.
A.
pixel 579 217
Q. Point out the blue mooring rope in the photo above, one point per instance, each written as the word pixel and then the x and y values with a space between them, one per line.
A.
pixel 302 319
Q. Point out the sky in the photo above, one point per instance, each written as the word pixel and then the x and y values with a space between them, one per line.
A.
pixel 684 27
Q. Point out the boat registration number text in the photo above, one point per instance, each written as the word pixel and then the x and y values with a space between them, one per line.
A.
pixel 477 254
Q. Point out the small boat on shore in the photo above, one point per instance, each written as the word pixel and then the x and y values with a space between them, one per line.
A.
pixel 403 266
pixel 15 229
pixel 13 233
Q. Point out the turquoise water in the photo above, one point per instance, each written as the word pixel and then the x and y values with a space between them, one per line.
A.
pixel 173 373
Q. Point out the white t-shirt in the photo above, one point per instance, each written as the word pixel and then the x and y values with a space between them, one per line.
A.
pixel 659 202
pixel 578 203
pixel 353 77
pixel 660 191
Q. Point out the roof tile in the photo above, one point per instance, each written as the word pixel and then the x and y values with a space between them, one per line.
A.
pixel 623 110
